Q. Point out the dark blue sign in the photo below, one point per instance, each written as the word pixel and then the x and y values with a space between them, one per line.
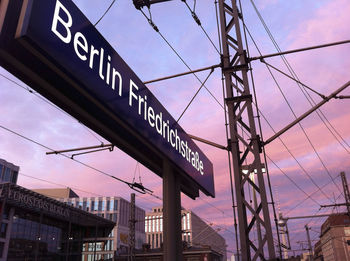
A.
pixel 85 73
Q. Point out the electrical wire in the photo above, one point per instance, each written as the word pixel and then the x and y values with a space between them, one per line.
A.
pixel 293 73
pixel 150 21
pixel 198 22
pixel 300 125
pixel 66 156
pixel 195 95
pixel 109 8
pixel 302 201
pixel 58 184
pixel 49 103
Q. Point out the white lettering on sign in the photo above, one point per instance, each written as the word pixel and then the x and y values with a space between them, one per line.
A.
pixel 110 75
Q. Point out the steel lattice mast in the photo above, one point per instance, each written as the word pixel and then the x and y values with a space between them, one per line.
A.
pixel 245 148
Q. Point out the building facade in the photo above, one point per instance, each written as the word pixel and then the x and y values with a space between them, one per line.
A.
pixel 35 227
pixel 195 232
pixel 8 172
pixel 335 238
pixel 117 210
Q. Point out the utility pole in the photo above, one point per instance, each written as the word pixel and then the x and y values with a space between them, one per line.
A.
pixel 132 222
pixel 243 148
pixel 346 191
pixel 309 241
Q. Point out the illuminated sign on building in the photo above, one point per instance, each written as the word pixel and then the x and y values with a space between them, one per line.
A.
pixel 53 47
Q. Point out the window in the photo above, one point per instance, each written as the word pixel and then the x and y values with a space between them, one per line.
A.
pixel 103 205
pixel 183 222
pixel 96 205
pixel 7 175
pixel 157 223
pixel 92 205
pixel 3 230
pixel 149 223
pixel 1 168
pixel 161 238
pixel 14 177
pixel 161 223
pixel 153 223
pixel 156 240
pixel 188 220
pixel 100 205
pixel 87 206
pixel 146 224
pixel 115 204
pixel 111 206
pixel 107 207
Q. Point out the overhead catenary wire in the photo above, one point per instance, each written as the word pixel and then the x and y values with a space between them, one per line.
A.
pixel 49 103
pixel 287 102
pixel 109 8
pixel 66 156
pixel 150 21
pixel 198 22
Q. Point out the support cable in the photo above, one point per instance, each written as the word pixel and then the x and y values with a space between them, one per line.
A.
pixel 197 20
pixel 291 180
pixel 49 103
pixel 286 100
pixel 195 95
pixel 150 21
pixel 142 189
pixel 292 78
pixel 58 184
pixel 294 157
pixel 234 206
pixel 109 8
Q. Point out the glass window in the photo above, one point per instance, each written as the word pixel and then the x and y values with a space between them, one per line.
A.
pixel 96 205
pixel 107 207
pixel 146 225
pixel 183 222
pixel 188 220
pixel 153 224
pixel 92 205
pixel 100 205
pixel 103 205
pixel 115 204
pixel 111 206
pixel 149 223
pixel 88 206
pixel 14 177
pixel 7 175
pixel 1 168
pixel 115 217
pixel 157 223
pixel 3 230
pixel 161 223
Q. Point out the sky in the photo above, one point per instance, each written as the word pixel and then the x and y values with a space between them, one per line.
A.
pixel 310 162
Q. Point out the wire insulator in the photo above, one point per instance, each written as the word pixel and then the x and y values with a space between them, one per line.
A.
pixel 195 17
pixel 153 25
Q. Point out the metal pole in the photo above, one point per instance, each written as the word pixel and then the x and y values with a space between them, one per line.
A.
pixel 296 121
pixel 243 148
pixel 183 74
pixel 171 214
pixel 346 191
pixel 132 222
pixel 299 50
pixel 81 148
pixel 309 242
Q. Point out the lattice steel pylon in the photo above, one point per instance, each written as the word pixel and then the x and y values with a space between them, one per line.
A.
pixel 244 142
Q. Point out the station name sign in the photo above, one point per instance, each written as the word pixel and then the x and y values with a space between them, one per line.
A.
pixel 99 87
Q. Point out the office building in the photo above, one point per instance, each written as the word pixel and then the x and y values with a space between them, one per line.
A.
pixel 334 239
pixel 195 232
pixel 115 209
pixel 8 172
pixel 36 227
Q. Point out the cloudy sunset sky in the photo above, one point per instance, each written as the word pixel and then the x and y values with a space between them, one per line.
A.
pixel 298 164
